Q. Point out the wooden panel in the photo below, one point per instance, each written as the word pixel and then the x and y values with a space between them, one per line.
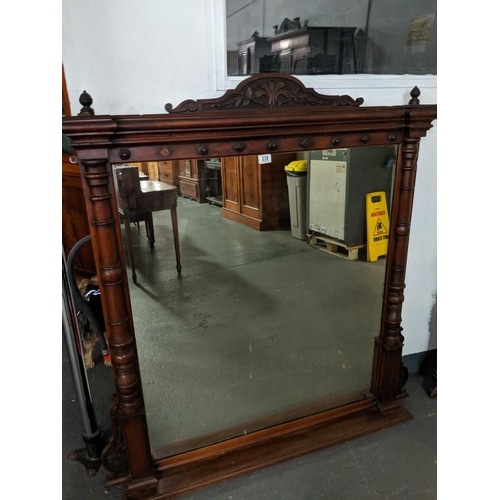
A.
pixel 169 172
pixel 165 177
pixel 242 219
pixel 185 168
pixel 230 183
pixel 275 204
pixel 151 170
pixel 250 185
pixel 75 224
pixel 165 172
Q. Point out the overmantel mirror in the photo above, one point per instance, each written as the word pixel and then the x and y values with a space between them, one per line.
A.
pixel 254 347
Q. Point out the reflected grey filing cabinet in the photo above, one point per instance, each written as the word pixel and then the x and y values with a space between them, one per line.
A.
pixel 338 181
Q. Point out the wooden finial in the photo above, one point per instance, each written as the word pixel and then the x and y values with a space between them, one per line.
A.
pixel 86 101
pixel 414 101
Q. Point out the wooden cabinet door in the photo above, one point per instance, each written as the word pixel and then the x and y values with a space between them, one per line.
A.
pixel 186 169
pixel 250 187
pixel 231 183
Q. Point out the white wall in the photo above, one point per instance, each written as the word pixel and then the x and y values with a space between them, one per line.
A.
pixel 135 56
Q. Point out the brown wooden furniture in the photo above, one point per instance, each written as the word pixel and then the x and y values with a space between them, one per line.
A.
pixel 168 172
pixel 147 170
pixel 315 50
pixel 250 53
pixel 265 113
pixel 213 167
pixel 193 180
pixel 75 224
pixel 256 195
pixel 137 200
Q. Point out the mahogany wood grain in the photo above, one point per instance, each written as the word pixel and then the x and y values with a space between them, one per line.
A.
pixel 75 225
pixel 230 171
pixel 265 113
pixel 250 187
pixel 256 194
pixel 179 477
pixel 168 172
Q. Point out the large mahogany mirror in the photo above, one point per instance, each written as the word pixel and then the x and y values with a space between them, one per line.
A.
pixel 234 374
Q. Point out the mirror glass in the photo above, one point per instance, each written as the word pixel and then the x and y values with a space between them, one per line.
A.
pixel 331 37
pixel 274 314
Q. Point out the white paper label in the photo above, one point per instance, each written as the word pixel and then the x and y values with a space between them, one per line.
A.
pixel 264 159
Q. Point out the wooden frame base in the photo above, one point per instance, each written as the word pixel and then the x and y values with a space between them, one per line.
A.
pixel 207 466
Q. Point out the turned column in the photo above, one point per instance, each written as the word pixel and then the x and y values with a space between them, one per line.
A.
pixel 128 453
pixel 389 375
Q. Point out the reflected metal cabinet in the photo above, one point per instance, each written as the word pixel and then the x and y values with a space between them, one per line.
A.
pixel 338 181
pixel 256 194
pixel 193 180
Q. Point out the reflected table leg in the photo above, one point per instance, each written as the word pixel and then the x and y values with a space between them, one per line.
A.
pixel 130 249
pixel 150 230
pixel 173 213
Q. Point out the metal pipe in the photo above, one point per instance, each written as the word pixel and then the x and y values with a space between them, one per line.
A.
pixel 81 305
pixel 80 379
pixel 90 455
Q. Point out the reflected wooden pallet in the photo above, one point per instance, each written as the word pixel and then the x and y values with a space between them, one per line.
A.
pixel 334 247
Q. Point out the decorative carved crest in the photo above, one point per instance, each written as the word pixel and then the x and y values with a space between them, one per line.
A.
pixel 266 91
pixel 288 25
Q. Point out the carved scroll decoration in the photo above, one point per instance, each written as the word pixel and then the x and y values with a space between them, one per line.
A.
pixel 266 91
pixel 114 455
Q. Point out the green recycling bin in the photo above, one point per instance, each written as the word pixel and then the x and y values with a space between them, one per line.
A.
pixel 296 177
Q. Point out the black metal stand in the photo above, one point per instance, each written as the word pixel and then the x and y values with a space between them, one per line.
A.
pixel 90 455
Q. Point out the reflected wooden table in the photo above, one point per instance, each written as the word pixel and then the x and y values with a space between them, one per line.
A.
pixel 154 196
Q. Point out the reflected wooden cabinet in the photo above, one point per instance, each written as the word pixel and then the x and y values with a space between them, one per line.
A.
pixel 255 194
pixel 250 54
pixel 193 180
pixel 168 172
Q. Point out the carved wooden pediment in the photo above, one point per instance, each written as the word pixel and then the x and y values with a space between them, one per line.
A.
pixel 265 91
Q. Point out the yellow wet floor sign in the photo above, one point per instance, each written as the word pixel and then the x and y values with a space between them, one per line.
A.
pixel 377 224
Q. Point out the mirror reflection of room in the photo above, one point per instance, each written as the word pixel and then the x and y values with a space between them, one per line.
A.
pixel 331 37
pixel 256 285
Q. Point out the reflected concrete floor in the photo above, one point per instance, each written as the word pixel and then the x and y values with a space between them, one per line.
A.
pixel 259 323
pixel 395 464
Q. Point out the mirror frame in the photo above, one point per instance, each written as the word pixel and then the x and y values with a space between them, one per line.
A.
pixel 266 113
